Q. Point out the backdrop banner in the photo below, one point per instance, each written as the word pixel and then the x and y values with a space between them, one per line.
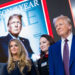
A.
pixel 35 20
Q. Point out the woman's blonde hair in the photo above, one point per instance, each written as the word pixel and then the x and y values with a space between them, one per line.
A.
pixel 24 60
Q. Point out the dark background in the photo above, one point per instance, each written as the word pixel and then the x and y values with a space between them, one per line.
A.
pixel 55 8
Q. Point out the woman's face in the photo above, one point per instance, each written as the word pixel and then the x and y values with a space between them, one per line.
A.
pixel 14 48
pixel 44 44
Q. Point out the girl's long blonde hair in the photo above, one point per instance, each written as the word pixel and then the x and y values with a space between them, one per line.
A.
pixel 23 58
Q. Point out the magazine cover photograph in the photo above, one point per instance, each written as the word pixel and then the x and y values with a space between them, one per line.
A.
pixel 34 24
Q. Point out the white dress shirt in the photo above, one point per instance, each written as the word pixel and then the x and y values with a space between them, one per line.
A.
pixel 69 38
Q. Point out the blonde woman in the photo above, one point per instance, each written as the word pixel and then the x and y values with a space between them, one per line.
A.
pixel 18 61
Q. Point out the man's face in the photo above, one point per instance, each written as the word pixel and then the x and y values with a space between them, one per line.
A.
pixel 15 26
pixel 63 28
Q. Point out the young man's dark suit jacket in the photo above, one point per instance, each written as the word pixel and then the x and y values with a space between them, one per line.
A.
pixel 56 66
pixel 4 41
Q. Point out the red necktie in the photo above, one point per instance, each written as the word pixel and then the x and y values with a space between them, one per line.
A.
pixel 66 57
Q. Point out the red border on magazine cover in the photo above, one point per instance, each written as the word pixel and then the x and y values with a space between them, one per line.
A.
pixel 47 18
pixel 45 11
pixel 10 3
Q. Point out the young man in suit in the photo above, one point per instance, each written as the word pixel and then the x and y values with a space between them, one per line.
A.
pixel 14 28
pixel 62 53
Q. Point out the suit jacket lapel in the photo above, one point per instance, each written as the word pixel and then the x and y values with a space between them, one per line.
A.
pixel 59 51
pixel 60 61
pixel 72 55
pixel 9 37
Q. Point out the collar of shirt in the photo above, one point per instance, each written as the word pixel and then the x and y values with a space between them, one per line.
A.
pixel 69 38
pixel 14 37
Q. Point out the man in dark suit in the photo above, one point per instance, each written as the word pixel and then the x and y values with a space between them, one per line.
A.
pixel 14 27
pixel 62 53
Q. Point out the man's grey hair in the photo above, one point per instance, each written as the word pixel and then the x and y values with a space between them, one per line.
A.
pixel 66 18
